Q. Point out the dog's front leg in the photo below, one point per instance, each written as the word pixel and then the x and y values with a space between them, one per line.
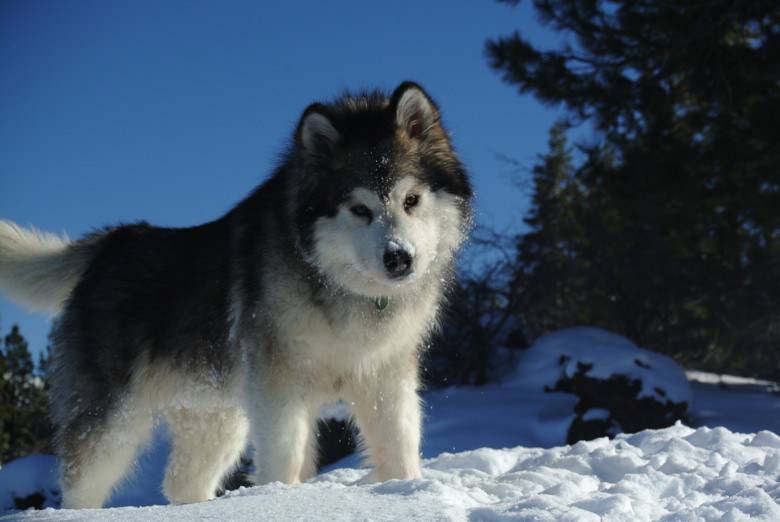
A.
pixel 387 412
pixel 281 431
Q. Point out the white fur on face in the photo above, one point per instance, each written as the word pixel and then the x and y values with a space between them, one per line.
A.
pixel 350 250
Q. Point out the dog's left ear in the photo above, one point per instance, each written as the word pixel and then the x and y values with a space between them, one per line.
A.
pixel 415 111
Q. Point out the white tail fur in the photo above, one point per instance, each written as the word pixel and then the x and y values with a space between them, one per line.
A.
pixel 39 269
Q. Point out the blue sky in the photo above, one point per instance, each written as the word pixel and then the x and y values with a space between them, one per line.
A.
pixel 172 111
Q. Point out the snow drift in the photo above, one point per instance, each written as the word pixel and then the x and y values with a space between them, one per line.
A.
pixel 562 353
pixel 672 474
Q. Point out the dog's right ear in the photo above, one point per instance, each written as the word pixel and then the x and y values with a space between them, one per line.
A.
pixel 316 134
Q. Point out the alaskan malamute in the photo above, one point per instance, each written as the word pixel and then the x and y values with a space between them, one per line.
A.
pixel 321 285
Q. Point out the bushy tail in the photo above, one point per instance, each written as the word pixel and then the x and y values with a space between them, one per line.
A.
pixel 38 269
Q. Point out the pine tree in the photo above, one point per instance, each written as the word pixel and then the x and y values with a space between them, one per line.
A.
pixel 675 241
pixel 546 251
pixel 24 414
pixel 7 408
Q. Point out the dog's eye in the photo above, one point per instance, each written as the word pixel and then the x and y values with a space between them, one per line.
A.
pixel 411 201
pixel 361 211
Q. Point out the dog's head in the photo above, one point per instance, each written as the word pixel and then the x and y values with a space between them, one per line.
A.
pixel 381 201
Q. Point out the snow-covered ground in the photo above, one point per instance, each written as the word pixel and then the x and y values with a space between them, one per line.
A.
pixel 677 473
pixel 745 405
pixel 498 452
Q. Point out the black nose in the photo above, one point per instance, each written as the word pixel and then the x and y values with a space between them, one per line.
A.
pixel 398 262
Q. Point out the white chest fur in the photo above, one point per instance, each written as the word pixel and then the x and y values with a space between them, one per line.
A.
pixel 345 334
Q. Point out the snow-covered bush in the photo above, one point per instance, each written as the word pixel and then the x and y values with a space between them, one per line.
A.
pixel 30 482
pixel 620 387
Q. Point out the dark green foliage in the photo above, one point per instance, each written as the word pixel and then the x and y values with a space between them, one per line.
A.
pixel 480 334
pixel 551 248
pixel 24 425
pixel 667 226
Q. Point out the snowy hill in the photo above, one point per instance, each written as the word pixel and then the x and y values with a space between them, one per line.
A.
pixel 728 468
pixel 677 473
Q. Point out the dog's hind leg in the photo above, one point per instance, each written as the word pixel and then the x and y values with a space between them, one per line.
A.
pixel 96 450
pixel 206 445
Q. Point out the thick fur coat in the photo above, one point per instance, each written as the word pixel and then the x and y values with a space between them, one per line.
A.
pixel 321 285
